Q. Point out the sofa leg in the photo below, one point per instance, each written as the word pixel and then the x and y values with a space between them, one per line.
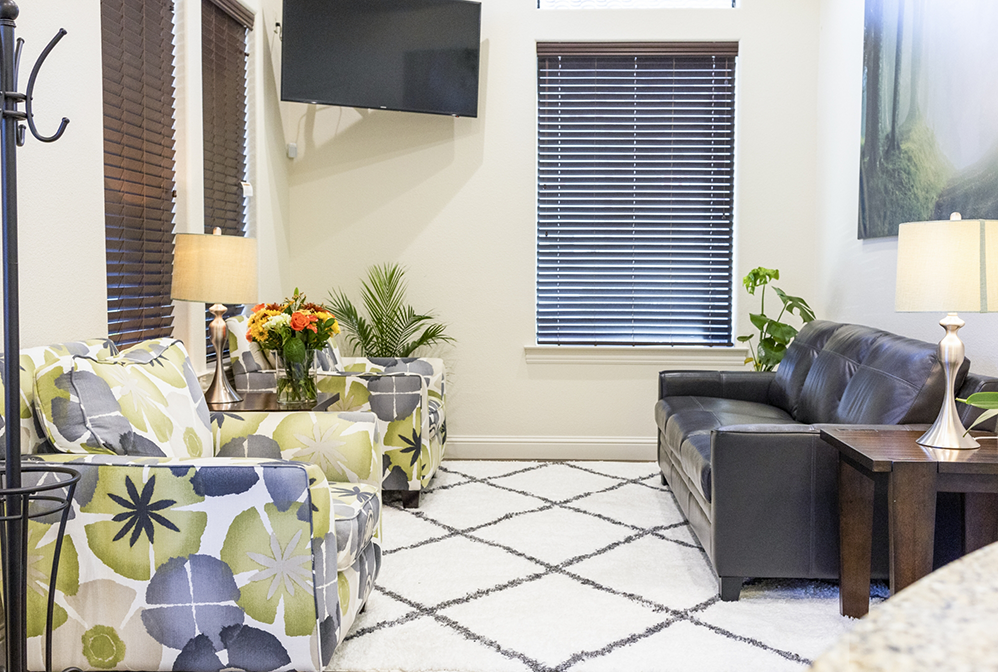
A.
pixel 410 499
pixel 729 587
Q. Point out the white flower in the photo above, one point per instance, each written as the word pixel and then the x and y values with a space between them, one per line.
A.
pixel 277 321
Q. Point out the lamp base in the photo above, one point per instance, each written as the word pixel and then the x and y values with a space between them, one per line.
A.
pixel 948 431
pixel 219 392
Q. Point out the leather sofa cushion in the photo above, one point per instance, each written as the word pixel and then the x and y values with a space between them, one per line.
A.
pixel 785 391
pixel 688 422
pixel 868 376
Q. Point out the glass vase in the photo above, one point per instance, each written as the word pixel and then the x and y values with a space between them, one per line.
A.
pixel 296 381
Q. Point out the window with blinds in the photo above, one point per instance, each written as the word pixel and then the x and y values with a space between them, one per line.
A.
pixel 137 59
pixel 633 4
pixel 224 26
pixel 635 181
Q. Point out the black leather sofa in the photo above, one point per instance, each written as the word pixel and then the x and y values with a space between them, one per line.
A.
pixel 742 454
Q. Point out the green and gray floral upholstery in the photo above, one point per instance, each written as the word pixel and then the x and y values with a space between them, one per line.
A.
pixel 406 394
pixel 252 548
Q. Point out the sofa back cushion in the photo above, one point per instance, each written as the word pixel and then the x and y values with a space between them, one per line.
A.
pixel 785 390
pixel 868 376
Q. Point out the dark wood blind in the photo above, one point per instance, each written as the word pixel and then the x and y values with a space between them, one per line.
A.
pixel 137 56
pixel 635 193
pixel 223 47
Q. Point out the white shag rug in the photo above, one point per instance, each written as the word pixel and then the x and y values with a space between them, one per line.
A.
pixel 569 567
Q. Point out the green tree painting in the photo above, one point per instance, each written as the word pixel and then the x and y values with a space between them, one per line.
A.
pixel 929 132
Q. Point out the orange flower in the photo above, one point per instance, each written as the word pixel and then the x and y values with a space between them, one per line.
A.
pixel 258 306
pixel 299 321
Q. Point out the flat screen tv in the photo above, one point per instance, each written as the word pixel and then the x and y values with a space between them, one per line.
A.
pixel 408 55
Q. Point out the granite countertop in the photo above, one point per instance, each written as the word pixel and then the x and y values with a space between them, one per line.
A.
pixel 947 620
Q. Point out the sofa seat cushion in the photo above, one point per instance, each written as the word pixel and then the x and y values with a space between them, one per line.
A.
pixel 688 421
pixel 356 511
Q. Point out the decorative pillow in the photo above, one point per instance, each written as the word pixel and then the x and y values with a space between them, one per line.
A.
pixel 328 359
pixel 145 401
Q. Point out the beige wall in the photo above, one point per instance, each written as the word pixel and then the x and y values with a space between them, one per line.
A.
pixel 454 200
pixel 857 277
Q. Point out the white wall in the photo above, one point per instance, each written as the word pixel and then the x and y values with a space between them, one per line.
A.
pixel 61 187
pixel 857 277
pixel 454 200
pixel 61 267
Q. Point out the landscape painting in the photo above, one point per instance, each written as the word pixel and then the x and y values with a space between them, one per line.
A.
pixel 930 113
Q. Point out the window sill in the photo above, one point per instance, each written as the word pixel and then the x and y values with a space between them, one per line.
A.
pixel 676 357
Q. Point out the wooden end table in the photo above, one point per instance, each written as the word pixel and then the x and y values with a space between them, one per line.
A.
pixel 914 475
pixel 267 401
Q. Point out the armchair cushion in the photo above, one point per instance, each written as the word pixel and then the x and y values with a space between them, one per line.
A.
pixel 145 401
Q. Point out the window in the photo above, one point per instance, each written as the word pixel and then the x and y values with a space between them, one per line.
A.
pixel 224 27
pixel 635 193
pixel 632 4
pixel 137 62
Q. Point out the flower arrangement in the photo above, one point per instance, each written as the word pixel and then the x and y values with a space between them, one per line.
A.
pixel 293 329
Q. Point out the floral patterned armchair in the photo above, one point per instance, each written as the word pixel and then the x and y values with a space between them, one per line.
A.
pixel 406 394
pixel 240 541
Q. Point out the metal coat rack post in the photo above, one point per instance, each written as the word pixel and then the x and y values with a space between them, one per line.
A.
pixel 38 501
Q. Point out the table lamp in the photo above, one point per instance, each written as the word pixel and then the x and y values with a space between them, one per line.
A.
pixel 948 266
pixel 215 269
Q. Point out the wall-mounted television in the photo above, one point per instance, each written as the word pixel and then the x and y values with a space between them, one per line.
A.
pixel 408 55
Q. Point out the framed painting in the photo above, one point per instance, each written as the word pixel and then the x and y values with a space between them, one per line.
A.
pixel 929 142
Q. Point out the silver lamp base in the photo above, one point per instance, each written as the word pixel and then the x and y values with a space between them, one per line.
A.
pixel 948 431
pixel 219 392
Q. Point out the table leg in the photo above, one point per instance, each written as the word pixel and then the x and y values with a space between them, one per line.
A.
pixel 911 521
pixel 980 516
pixel 855 539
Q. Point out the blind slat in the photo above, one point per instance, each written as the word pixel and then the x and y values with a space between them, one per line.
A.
pixel 635 193
pixel 137 65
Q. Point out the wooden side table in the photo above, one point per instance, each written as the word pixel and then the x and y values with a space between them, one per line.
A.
pixel 914 475
pixel 267 401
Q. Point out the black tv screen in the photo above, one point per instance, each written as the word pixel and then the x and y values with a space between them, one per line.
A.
pixel 409 55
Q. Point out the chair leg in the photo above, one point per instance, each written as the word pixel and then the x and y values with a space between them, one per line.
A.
pixel 664 482
pixel 410 499
pixel 729 587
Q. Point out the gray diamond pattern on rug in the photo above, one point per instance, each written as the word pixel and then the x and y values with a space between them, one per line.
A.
pixel 569 567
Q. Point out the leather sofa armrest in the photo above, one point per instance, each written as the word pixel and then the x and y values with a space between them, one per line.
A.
pixel 741 385
pixel 968 414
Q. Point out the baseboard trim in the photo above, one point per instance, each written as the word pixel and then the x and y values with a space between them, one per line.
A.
pixel 615 448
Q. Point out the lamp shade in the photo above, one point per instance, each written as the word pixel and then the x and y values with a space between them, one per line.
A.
pixel 214 269
pixel 948 266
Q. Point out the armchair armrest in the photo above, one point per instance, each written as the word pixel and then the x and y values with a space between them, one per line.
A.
pixel 151 539
pixel 345 446
pixel 741 385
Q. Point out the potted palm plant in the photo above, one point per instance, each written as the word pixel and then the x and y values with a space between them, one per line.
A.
pixel 392 328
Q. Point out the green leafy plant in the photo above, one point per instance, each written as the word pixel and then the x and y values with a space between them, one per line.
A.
pixel 392 328
pixel 774 335
pixel 986 400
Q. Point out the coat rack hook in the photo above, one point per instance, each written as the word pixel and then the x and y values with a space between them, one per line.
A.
pixel 31 87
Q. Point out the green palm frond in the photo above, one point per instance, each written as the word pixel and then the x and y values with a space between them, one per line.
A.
pixel 392 328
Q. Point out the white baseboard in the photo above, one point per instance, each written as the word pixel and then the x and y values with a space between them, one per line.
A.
pixel 611 448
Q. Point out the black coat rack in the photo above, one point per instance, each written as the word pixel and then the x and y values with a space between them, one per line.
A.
pixel 46 498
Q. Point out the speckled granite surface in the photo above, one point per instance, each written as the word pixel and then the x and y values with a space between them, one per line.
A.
pixel 946 621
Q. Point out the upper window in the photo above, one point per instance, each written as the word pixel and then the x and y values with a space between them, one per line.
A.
pixel 224 28
pixel 632 4
pixel 635 180
pixel 137 59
